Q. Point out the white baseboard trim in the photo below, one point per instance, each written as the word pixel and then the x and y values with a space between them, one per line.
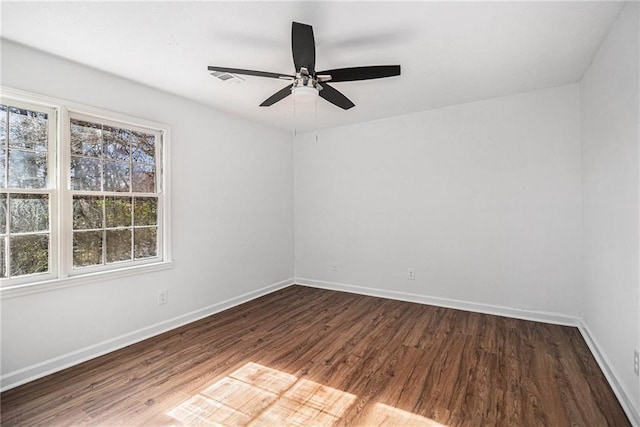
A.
pixel 41 369
pixel 537 316
pixel 624 397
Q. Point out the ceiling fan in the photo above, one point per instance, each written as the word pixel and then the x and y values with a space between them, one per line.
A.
pixel 307 83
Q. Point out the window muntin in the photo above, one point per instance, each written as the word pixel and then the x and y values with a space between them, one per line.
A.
pixel 27 170
pixel 115 190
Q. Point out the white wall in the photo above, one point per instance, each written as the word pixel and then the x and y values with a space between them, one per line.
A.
pixel 232 222
pixel 611 189
pixel 482 199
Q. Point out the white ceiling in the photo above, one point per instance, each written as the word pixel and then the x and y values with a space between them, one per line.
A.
pixel 450 52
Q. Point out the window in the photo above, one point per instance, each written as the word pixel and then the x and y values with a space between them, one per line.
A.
pixel 26 190
pixel 82 191
pixel 115 192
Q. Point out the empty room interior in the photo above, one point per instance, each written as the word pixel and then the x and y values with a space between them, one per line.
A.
pixel 320 213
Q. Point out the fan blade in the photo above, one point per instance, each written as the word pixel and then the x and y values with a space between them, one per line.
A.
pixel 303 47
pixel 278 96
pixel 335 97
pixel 362 73
pixel 251 72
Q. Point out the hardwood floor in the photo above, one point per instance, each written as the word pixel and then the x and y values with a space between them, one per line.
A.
pixel 304 356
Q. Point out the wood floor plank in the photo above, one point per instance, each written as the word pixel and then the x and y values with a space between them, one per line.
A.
pixel 305 356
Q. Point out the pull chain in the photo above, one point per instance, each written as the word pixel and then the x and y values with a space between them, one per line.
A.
pixel 295 132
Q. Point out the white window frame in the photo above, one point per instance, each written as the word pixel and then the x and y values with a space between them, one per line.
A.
pixel 61 273
pixel 68 196
pixel 51 189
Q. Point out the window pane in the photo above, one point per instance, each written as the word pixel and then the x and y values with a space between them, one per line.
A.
pixel 29 254
pixel 87 212
pixel 3 158
pixel 143 178
pixel 3 124
pixel 86 138
pixel 87 248
pixel 85 174
pixel 3 270
pixel 116 176
pixel 118 210
pixel 118 245
pixel 143 147
pixel 28 213
pixel 27 129
pixel 145 242
pixel 27 169
pixel 145 211
pixel 3 213
pixel 116 143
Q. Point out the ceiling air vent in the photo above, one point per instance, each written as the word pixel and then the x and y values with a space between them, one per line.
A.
pixel 226 77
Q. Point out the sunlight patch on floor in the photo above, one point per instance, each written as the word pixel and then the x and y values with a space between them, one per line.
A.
pixel 259 396
pixel 385 415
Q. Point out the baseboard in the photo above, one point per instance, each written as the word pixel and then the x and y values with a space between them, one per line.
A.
pixel 39 370
pixel 621 392
pixel 537 316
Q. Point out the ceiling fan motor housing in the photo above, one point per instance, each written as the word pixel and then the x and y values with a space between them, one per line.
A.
pixel 305 87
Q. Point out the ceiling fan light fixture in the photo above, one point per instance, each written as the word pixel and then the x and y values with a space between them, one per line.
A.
pixel 305 93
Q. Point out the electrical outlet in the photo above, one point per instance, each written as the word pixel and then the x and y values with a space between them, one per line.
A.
pixel 411 274
pixel 163 297
pixel 334 266
pixel 636 363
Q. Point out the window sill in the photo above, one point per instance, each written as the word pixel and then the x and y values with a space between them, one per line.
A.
pixel 50 285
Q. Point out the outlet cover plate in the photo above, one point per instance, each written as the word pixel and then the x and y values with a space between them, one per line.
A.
pixel 163 297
